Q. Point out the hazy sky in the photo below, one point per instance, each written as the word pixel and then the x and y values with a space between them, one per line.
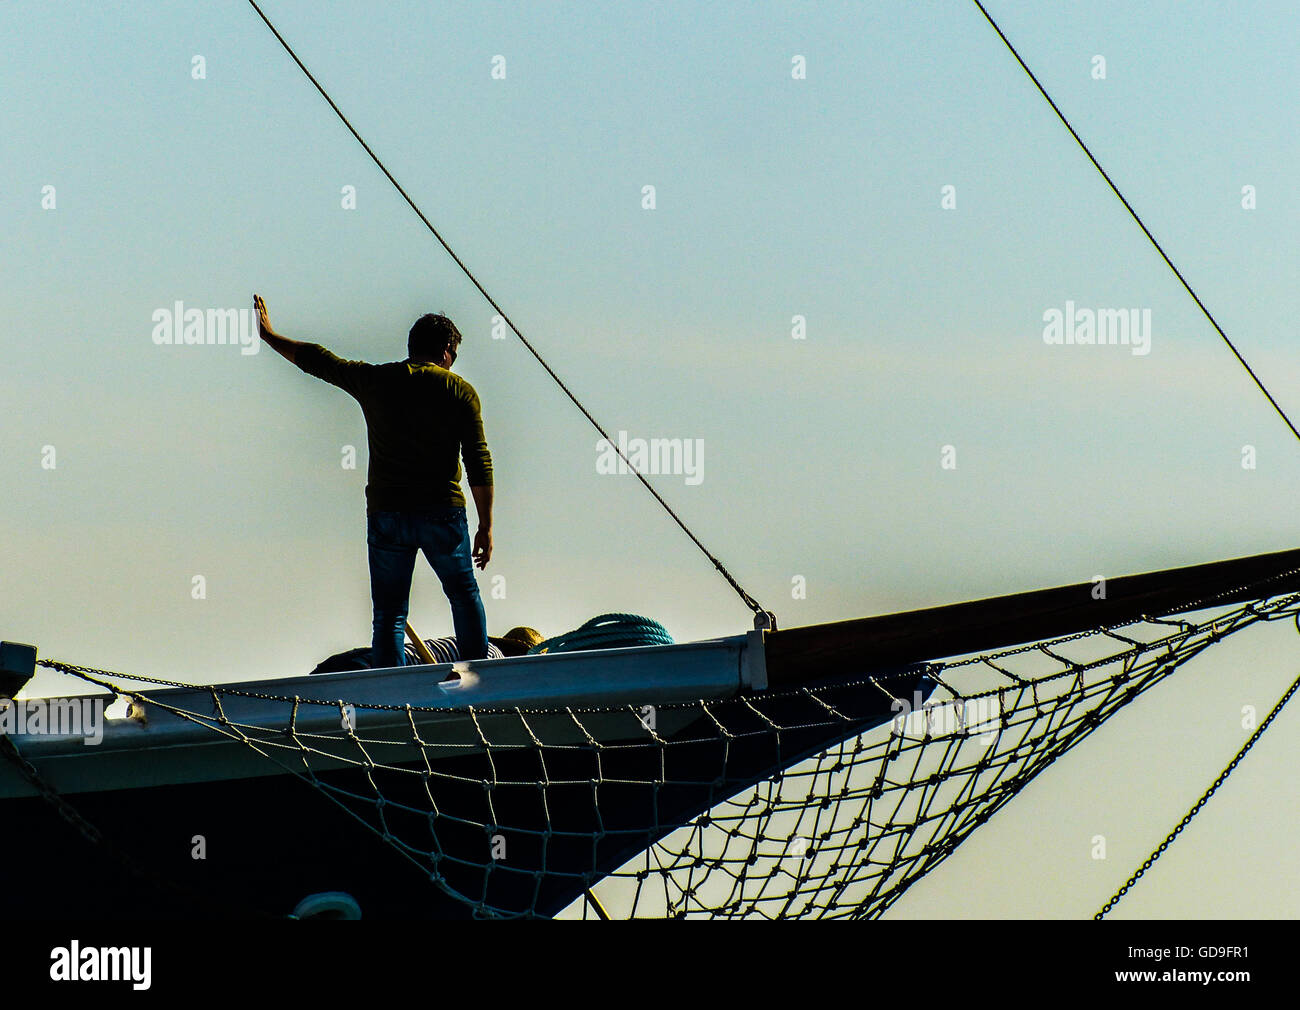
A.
pixel 775 197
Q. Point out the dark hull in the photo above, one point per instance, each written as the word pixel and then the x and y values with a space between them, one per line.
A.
pixel 273 840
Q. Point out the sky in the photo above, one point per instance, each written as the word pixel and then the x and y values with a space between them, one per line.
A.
pixel 156 153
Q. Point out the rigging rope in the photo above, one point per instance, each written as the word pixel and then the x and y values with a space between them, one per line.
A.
pixel 749 600
pixel 1244 364
pixel 1145 230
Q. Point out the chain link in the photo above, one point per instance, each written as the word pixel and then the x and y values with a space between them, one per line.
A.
pixel 1187 819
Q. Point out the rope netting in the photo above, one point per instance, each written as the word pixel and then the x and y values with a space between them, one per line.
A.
pixel 826 801
pixel 846 832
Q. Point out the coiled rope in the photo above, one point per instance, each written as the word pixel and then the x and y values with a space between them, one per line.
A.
pixel 608 631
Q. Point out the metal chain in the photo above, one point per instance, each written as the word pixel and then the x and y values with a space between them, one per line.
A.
pixel 93 675
pixel 1187 819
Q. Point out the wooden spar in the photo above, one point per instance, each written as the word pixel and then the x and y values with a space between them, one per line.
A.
pixel 421 649
pixel 870 643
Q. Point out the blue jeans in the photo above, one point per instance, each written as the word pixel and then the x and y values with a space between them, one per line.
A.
pixel 443 535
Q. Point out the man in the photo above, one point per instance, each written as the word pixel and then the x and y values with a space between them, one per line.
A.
pixel 420 419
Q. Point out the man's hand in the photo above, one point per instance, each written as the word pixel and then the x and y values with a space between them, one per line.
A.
pixel 283 345
pixel 483 538
pixel 482 547
pixel 263 321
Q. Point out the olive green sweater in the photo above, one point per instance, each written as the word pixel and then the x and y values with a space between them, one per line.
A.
pixel 419 420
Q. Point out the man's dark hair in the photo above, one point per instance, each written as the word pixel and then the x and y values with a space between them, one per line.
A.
pixel 430 336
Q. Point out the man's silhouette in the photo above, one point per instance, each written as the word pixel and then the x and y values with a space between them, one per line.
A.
pixel 420 419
